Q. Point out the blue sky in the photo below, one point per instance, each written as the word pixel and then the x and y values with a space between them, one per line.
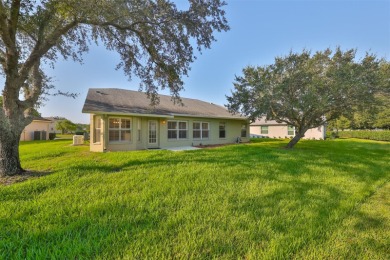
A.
pixel 260 30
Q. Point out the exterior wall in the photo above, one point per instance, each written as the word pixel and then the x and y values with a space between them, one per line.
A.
pixel 140 133
pixel 233 132
pixel 316 133
pixel 280 131
pixel 28 132
pixel 52 128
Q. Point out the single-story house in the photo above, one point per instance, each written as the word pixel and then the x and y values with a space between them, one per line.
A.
pixel 53 123
pixel 124 120
pixel 272 129
pixel 38 129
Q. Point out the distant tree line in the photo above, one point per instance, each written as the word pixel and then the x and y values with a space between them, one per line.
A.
pixel 66 127
pixel 374 117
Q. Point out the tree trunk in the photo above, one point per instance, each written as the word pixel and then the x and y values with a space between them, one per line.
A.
pixel 293 141
pixel 9 153
pixel 296 138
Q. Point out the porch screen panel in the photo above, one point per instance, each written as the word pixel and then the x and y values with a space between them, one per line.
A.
pixel 97 129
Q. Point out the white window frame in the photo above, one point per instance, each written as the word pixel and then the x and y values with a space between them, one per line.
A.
pixel 177 129
pixel 120 129
pixel 201 130
pixel 266 129
pixel 289 129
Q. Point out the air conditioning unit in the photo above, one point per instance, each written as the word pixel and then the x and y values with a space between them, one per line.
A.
pixel 78 140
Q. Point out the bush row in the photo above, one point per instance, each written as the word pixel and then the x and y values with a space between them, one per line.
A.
pixel 365 134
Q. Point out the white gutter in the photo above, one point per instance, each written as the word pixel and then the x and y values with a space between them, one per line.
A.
pixel 171 115
pixel 205 116
pixel 126 114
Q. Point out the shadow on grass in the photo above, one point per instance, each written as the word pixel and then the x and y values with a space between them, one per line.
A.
pixel 363 234
pixel 9 180
pixel 259 184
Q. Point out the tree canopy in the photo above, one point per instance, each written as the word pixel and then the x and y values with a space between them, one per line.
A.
pixel 66 126
pixel 308 90
pixel 378 116
pixel 155 41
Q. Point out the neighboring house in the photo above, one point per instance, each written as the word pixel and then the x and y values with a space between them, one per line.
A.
pixel 54 120
pixel 272 129
pixel 38 129
pixel 124 120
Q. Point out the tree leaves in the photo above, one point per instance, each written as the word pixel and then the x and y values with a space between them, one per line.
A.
pixel 151 37
pixel 307 90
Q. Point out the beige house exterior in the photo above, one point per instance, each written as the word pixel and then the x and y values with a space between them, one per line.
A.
pixel 123 120
pixel 272 129
pixel 37 125
pixel 53 121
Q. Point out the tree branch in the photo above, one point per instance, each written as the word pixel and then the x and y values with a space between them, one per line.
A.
pixel 34 90
pixel 2 57
pixel 150 48
pixel 41 48
pixel 4 26
pixel 14 19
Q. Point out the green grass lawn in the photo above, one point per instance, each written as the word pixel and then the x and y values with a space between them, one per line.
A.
pixel 322 200
pixel 64 136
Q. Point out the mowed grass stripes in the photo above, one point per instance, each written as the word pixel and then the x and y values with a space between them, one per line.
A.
pixel 251 201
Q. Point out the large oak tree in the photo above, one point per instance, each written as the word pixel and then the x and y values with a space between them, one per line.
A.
pixel 153 38
pixel 308 90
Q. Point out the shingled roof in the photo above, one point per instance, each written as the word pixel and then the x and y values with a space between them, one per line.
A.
pixel 39 118
pixel 264 121
pixel 121 101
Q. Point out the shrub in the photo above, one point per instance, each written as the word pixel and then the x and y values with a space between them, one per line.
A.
pixel 79 133
pixel 366 134
pixel 52 136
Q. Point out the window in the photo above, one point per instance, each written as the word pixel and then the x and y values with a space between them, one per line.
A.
pixel 182 130
pixel 243 130
pixel 97 129
pixel 222 130
pixel 119 130
pixel 200 130
pixel 177 130
pixel 290 130
pixel 264 130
